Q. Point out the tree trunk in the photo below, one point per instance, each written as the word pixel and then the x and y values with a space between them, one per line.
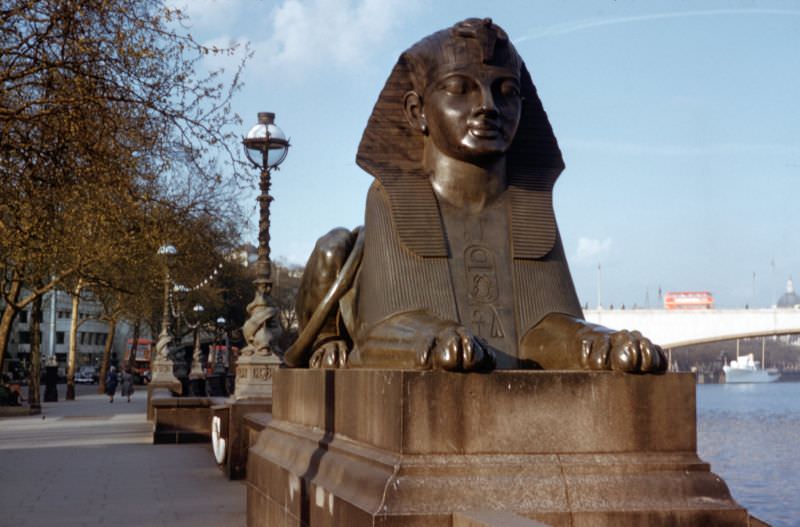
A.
pixel 112 329
pixel 73 341
pixel 7 319
pixel 34 393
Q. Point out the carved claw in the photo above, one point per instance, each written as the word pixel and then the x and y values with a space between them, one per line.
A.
pixel 330 355
pixel 456 349
pixel 626 351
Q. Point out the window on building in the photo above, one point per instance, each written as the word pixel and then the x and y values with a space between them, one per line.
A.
pixel 23 317
pixel 103 338
pixel 24 336
pixel 60 337
pixel 81 337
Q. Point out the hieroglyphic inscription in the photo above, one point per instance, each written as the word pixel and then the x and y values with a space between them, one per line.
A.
pixel 483 291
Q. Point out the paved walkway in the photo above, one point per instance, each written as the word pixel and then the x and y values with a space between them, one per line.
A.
pixel 90 463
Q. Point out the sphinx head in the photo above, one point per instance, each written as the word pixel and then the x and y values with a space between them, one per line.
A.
pixel 474 57
pixel 466 100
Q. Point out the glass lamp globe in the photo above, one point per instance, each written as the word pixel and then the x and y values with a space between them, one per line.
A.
pixel 167 250
pixel 266 145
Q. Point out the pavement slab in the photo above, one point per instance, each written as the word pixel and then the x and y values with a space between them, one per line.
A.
pixel 92 463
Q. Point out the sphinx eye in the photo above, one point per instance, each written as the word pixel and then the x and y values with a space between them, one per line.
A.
pixel 455 85
pixel 509 88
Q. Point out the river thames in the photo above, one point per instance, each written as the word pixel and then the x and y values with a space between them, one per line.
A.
pixel 750 433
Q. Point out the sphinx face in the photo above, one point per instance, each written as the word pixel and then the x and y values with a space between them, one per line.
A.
pixel 473 111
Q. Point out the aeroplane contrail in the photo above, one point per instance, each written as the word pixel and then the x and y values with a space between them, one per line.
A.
pixel 580 25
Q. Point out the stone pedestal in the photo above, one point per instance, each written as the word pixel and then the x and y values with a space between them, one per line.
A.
pixel 254 375
pixel 390 448
pixel 163 377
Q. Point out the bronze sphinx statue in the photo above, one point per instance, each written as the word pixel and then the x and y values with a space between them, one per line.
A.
pixel 459 265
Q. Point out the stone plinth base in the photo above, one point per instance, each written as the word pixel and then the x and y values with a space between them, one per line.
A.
pixel 254 375
pixel 372 447
pixel 163 378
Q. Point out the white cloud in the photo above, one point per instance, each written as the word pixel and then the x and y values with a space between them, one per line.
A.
pixel 297 35
pixel 590 250
pixel 312 32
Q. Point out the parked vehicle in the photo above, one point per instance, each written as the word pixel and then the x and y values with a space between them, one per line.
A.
pixel 86 375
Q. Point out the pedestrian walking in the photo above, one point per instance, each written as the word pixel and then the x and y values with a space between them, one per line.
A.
pixel 111 383
pixel 127 383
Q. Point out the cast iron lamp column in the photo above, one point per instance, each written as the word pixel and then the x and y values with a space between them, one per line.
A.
pixel 217 376
pixel 197 377
pixel 162 365
pixel 266 147
pixel 219 357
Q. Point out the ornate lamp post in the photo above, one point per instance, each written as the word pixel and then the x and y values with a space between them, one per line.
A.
pixel 162 365
pixel 266 147
pixel 217 378
pixel 219 358
pixel 197 377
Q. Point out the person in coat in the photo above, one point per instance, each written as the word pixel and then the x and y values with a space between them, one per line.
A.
pixel 111 383
pixel 127 383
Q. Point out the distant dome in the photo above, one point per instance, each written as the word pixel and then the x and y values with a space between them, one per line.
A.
pixel 789 299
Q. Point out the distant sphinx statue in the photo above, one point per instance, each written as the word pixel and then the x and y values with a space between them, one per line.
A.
pixel 459 265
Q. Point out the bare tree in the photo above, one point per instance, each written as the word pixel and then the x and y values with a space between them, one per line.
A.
pixel 106 117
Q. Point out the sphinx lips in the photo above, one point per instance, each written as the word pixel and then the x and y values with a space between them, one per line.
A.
pixel 485 132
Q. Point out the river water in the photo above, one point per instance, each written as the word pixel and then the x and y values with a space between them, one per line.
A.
pixel 750 433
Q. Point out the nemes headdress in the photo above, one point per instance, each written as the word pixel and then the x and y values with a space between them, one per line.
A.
pixel 391 150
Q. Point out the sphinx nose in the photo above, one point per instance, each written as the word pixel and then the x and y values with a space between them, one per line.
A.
pixel 487 103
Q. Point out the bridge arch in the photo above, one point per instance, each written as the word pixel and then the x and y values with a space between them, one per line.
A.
pixel 678 328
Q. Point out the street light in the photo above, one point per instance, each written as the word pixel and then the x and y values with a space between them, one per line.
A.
pixel 162 365
pixel 196 375
pixel 217 380
pixel 266 147
pixel 219 358
pixel 167 252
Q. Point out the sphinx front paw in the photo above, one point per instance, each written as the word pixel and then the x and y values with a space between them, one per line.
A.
pixel 455 349
pixel 331 354
pixel 626 351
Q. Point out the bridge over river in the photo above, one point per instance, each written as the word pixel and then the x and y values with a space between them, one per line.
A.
pixel 687 327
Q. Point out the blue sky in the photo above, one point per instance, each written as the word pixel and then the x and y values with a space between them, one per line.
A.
pixel 679 123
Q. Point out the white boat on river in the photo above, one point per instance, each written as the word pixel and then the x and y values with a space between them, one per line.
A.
pixel 745 370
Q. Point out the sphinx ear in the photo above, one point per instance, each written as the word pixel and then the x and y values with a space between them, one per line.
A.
pixel 415 113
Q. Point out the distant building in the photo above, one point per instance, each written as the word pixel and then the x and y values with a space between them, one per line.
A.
pixel 790 299
pixel 246 255
pixel 92 333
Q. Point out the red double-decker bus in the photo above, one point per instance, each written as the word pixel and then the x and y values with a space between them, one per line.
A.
pixel 141 359
pixel 688 300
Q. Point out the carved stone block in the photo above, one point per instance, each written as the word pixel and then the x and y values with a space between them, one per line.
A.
pixel 254 376
pixel 379 447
